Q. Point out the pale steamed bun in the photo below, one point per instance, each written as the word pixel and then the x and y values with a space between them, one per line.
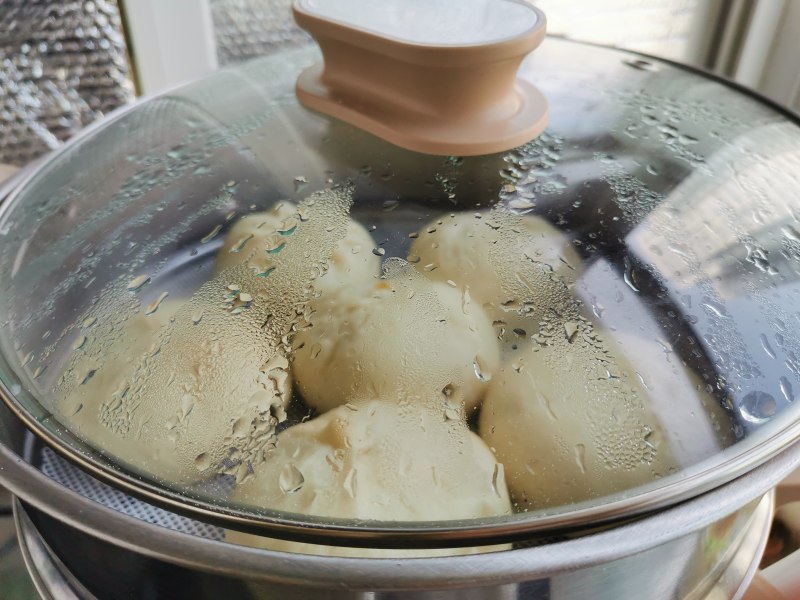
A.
pixel 250 239
pixel 571 425
pixel 378 460
pixel 399 336
pixel 512 264
pixel 167 440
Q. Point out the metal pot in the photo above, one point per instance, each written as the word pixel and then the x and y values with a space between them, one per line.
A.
pixel 649 177
pixel 706 548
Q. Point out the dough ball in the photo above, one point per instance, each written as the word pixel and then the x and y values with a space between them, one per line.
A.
pixel 252 236
pixel 167 440
pixel 569 423
pixel 398 337
pixel 518 267
pixel 380 460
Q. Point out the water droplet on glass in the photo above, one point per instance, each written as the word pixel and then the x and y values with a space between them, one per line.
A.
pixel 275 244
pixel 138 282
pixel 521 204
pixel 202 462
pixel 197 316
pixel 390 205
pixel 89 322
pixel 716 308
pixel 88 375
pixel 349 483
pixel 211 234
pixel 239 246
pixel 241 427
pixel 767 348
pixel 291 480
pixel 300 182
pixel 786 389
pixel 378 251
pixel 758 407
pixel 570 330
pixel 153 306
pixel 479 372
pixel 629 275
pixel 288 227
pixel 498 480
pixel 580 457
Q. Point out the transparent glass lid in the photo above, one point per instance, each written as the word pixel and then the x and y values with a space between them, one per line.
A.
pixel 250 312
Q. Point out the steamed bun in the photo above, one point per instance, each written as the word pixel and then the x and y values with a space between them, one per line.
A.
pixel 251 237
pixel 571 425
pixel 399 336
pixel 514 265
pixel 172 440
pixel 378 460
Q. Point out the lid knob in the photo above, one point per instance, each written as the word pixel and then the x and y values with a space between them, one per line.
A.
pixel 433 76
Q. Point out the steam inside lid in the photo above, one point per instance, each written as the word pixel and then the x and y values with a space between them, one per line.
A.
pixel 432 22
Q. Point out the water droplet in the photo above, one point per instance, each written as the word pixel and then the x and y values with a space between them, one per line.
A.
pixel 767 348
pixel 89 322
pixel 202 461
pixel 211 234
pixel 187 404
pixel 499 480
pixel 241 427
pixel 197 316
pixel 38 372
pixel 265 272
pixel 479 372
pixel 758 407
pixel 88 375
pixel 28 358
pixel 275 244
pixel 153 307
pixel 390 205
pixel 300 182
pixel 786 389
pixel 629 275
pixel 378 251
pixel 452 412
pixel 570 330
pixel 580 457
pixel 349 483
pixel 465 300
pixel 716 308
pixel 239 246
pixel 288 227
pixel 521 204
pixel 291 480
pixel 138 282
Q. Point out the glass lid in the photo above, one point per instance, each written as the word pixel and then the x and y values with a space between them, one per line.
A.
pixel 252 312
